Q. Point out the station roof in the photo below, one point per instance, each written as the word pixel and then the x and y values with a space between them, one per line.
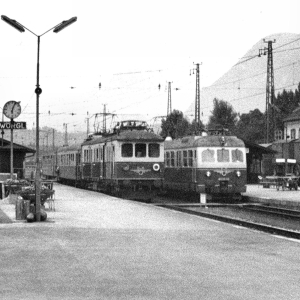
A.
pixel 16 147
pixel 294 116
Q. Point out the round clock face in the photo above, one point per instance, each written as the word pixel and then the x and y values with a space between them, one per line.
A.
pixel 12 109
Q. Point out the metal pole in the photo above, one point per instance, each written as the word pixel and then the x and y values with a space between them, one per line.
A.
pixel 11 150
pixel 2 131
pixel 38 168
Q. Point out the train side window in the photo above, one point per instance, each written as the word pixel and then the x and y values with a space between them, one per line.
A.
pixel 185 158
pixel 208 155
pixel 237 155
pixel 127 150
pixel 190 158
pixel 140 150
pixel 153 150
pixel 223 155
pixel 101 154
pixel 172 160
pixel 167 159
pixel 178 159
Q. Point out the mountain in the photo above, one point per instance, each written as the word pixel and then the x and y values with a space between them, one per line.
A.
pixel 244 85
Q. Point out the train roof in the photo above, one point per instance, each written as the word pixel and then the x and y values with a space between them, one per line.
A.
pixel 126 136
pixel 204 141
pixel 68 148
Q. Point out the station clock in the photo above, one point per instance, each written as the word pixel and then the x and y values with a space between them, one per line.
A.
pixel 12 109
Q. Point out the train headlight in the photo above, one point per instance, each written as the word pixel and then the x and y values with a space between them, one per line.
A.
pixel 238 173
pixel 156 167
pixel 208 173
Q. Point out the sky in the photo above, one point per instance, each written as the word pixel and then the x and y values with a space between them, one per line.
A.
pixel 130 47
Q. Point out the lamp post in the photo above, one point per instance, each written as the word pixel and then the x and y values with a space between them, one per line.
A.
pixel 18 26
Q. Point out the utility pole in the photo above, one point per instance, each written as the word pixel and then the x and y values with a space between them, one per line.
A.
pixel 270 113
pixel 104 118
pixel 169 109
pixel 53 141
pixel 66 134
pixel 197 98
pixel 88 125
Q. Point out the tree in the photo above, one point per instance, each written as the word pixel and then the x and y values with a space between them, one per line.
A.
pixel 250 127
pixel 223 114
pixel 175 125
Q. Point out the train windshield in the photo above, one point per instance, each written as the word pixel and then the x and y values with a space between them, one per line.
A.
pixel 127 150
pixel 153 150
pixel 140 150
pixel 222 155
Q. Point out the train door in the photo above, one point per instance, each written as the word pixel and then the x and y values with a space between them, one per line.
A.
pixel 103 162
pixel 112 161
pixel 77 166
pixel 194 157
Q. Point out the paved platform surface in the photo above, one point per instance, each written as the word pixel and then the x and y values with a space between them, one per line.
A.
pixel 99 247
pixel 287 198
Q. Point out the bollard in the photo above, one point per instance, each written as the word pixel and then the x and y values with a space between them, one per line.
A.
pixel 203 198
pixel 19 209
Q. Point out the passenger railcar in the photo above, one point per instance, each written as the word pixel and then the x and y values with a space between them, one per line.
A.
pixel 67 167
pixel 49 163
pixel 214 165
pixel 129 162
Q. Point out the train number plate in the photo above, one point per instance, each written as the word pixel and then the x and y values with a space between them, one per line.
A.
pixel 223 179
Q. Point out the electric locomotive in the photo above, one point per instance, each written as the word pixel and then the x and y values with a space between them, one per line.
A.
pixel 213 164
pixel 129 162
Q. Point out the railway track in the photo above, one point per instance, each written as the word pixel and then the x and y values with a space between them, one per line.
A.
pixel 273 220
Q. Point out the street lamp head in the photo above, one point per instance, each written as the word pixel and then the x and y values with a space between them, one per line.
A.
pixel 64 24
pixel 13 23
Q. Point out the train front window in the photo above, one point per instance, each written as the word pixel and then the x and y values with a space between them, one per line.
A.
pixel 223 155
pixel 237 155
pixel 153 150
pixel 208 155
pixel 140 150
pixel 127 150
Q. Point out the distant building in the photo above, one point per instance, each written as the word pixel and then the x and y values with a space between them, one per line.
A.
pixel 292 125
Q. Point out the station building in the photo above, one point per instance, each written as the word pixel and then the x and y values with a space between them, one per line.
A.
pixel 19 153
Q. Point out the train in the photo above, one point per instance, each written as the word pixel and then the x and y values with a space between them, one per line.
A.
pixel 213 164
pixel 129 162
pixel 135 163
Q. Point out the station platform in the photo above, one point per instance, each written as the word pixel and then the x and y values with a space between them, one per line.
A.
pixel 289 199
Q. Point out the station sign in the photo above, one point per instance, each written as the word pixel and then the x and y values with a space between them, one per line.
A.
pixel 12 125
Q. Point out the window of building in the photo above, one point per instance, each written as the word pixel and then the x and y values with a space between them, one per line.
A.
pixel 153 150
pixel 223 155
pixel 237 155
pixel 293 134
pixel 127 150
pixel 278 135
pixel 140 150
